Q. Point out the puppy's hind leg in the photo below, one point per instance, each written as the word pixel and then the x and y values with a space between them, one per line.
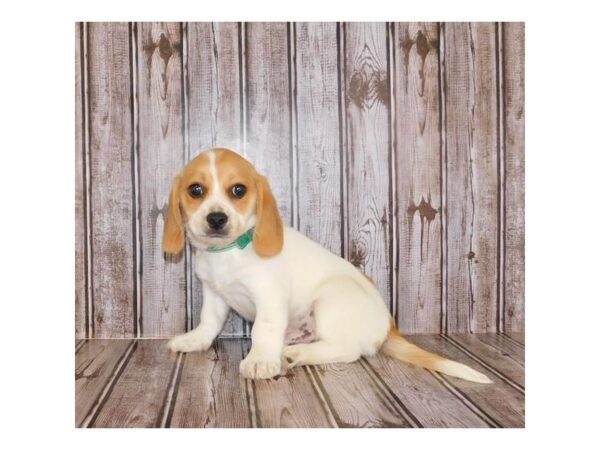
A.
pixel 320 352
pixel 351 320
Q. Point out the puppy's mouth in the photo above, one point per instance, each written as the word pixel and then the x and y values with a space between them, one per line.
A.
pixel 216 234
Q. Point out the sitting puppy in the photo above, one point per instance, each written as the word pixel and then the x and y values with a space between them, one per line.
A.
pixel 295 291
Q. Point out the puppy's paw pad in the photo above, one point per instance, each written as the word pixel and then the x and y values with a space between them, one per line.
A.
pixel 258 368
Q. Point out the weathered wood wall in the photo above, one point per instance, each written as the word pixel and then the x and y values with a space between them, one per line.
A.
pixel 407 138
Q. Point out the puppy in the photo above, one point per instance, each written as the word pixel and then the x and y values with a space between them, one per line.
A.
pixel 308 305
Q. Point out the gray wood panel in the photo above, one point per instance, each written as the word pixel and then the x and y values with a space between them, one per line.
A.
pixel 355 400
pixel 161 155
pixel 80 191
pixel 513 69
pixel 137 399
pixel 367 151
pixel 399 146
pixel 499 401
pixel 288 401
pixel 318 138
pixel 493 356
pixel 423 396
pixel 517 337
pixel 472 176
pixel 112 215
pixel 268 108
pixel 214 112
pixel 508 347
pixel 211 392
pixel 95 364
pixel 418 151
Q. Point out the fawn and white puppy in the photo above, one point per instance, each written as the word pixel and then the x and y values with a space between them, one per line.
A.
pixel 308 305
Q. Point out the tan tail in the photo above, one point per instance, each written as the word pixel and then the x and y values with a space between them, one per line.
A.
pixel 399 348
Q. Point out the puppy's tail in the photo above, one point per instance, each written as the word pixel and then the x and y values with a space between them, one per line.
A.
pixel 399 348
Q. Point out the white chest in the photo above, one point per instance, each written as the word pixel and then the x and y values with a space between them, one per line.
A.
pixel 221 273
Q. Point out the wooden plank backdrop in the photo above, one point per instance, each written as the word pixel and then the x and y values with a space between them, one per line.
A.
pixel 399 146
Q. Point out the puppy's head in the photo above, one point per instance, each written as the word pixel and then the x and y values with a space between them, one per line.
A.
pixel 217 197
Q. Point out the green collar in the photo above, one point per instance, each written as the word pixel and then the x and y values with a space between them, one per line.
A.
pixel 241 243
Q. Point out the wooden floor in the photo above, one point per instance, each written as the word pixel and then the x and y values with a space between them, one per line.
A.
pixel 139 383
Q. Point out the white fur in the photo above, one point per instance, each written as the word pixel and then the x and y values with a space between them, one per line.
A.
pixel 350 316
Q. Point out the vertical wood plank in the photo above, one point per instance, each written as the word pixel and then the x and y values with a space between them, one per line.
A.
pixel 418 178
pixel 95 364
pixel 137 400
pixel 318 143
pixel 80 191
pixel 367 108
pixel 212 393
pixel 268 108
pixel 513 68
pixel 214 109
pixel 161 155
pixel 112 203
pixel 472 176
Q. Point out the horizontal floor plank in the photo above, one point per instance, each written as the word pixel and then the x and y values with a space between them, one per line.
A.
pixel 95 364
pixel 289 401
pixel 492 356
pixel 211 392
pixel 356 400
pixel 500 402
pixel 421 393
pixel 138 398
pixel 518 337
pixel 140 383
pixel 508 347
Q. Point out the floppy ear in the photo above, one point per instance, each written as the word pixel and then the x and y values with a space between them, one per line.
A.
pixel 173 235
pixel 268 234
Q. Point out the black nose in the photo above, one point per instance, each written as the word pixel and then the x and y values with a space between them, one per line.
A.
pixel 216 220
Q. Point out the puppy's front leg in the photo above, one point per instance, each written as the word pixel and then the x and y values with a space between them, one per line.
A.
pixel 268 331
pixel 212 318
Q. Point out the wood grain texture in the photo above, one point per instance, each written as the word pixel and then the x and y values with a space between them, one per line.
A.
pixel 318 139
pixel 112 215
pixel 289 401
pixel 138 398
pixel 95 363
pixel 211 392
pixel 493 356
pixel 214 111
pixel 367 152
pixel 513 69
pixel 499 401
pixel 80 191
pixel 508 347
pixel 161 155
pixel 517 337
pixel 472 176
pixel 418 178
pixel 423 395
pixel 356 401
pixel 268 108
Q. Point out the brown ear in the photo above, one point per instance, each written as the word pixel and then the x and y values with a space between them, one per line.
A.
pixel 173 235
pixel 268 234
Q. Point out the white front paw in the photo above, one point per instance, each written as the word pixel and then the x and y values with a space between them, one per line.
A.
pixel 189 342
pixel 255 366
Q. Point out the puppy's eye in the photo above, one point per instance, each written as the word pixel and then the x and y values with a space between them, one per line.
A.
pixel 238 190
pixel 196 190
